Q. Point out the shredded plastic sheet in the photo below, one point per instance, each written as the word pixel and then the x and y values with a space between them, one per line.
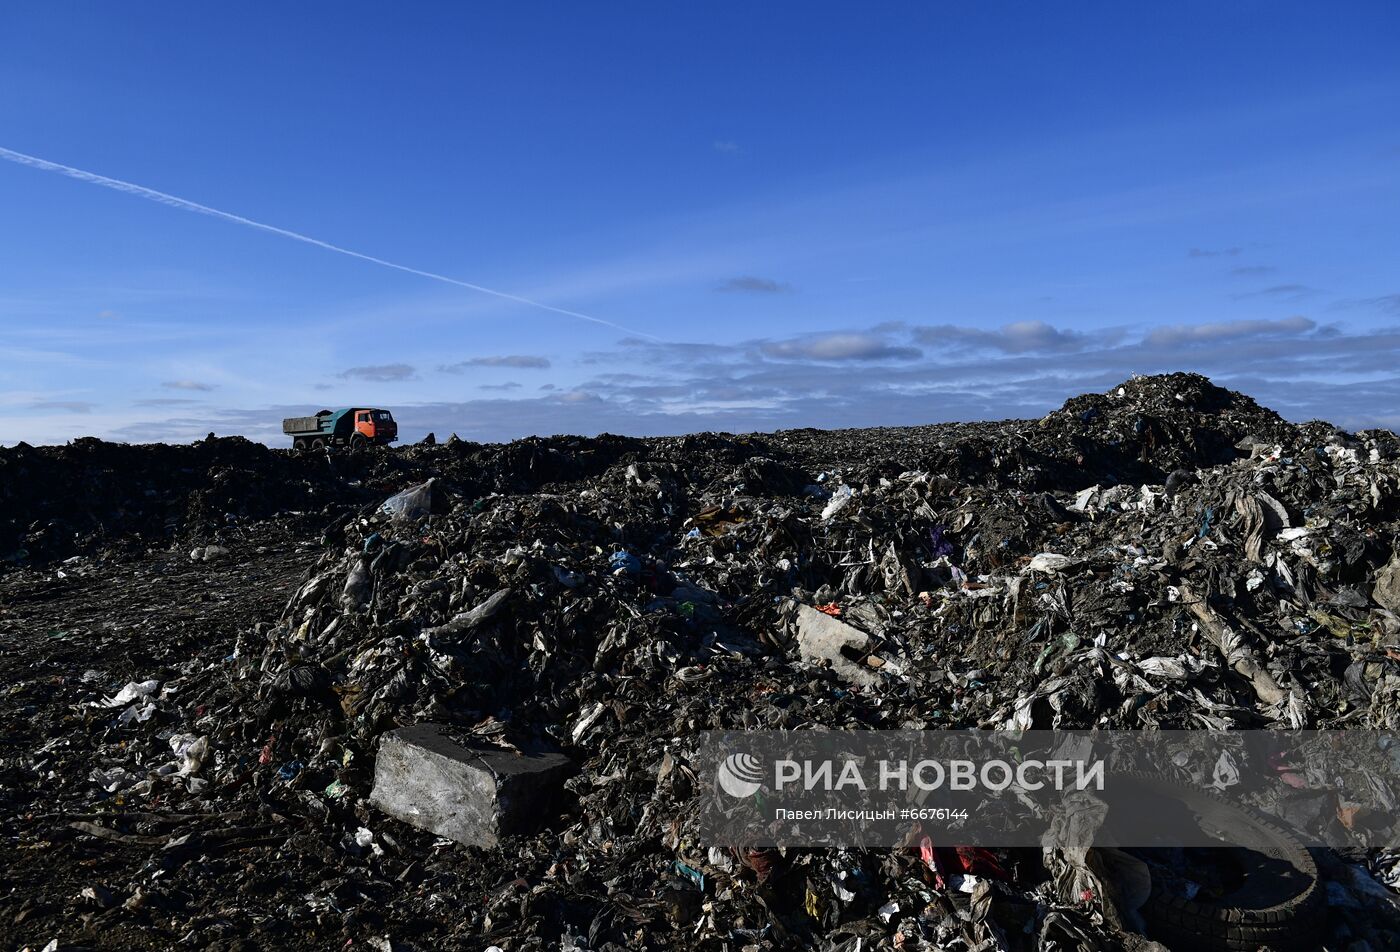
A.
pixel 412 504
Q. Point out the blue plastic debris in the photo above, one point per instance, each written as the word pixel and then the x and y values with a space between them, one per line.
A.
pixel 624 562
pixel 694 875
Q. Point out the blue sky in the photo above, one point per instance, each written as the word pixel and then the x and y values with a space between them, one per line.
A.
pixel 802 214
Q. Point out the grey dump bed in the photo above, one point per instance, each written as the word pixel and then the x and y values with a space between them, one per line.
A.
pixel 301 424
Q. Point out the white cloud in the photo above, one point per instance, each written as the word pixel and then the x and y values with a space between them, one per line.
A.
pixel 1018 337
pixel 838 347
pixel 519 361
pixel 750 284
pixel 380 373
pixel 1227 330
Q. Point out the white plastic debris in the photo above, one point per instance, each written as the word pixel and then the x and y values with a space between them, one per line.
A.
pixel 129 693
pixel 1050 563
pixel 413 503
pixel 839 500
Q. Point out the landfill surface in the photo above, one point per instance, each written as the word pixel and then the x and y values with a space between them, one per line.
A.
pixel 202 648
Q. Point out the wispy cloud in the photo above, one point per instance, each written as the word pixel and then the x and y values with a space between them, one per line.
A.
pixel 750 284
pixel 519 361
pixel 1288 292
pixel 166 402
pixel 67 406
pixel 1253 270
pixel 1172 335
pixel 382 373
pixel 1210 253
pixel 726 146
pixel 1019 337
pixel 1386 303
pixel 1021 369
pixel 187 385
pixel 838 348
pixel 508 385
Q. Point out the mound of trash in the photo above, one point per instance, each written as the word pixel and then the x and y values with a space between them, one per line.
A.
pixel 60 501
pixel 1167 555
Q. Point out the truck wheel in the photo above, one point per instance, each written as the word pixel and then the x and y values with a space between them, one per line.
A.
pixel 1277 902
pixel 358 442
pixel 298 445
pixel 318 444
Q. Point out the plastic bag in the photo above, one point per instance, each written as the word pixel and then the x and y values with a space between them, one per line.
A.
pixel 413 503
pixel 839 501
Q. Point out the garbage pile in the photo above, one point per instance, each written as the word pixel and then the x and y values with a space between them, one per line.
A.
pixel 57 502
pixel 90 497
pixel 1164 555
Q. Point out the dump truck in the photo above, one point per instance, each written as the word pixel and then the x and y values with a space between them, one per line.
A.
pixel 355 427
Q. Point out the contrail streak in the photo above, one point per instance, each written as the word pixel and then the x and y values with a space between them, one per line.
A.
pixel 140 191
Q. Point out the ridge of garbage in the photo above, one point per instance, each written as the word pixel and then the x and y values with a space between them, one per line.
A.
pixel 1167 554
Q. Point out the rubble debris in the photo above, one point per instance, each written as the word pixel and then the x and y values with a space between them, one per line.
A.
pixel 1165 555
pixel 208 553
pixel 471 793
pixel 823 639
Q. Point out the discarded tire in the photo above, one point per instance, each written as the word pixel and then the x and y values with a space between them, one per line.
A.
pixel 1278 903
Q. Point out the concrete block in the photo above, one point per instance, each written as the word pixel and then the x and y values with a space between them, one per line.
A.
pixel 467 792
pixel 821 638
